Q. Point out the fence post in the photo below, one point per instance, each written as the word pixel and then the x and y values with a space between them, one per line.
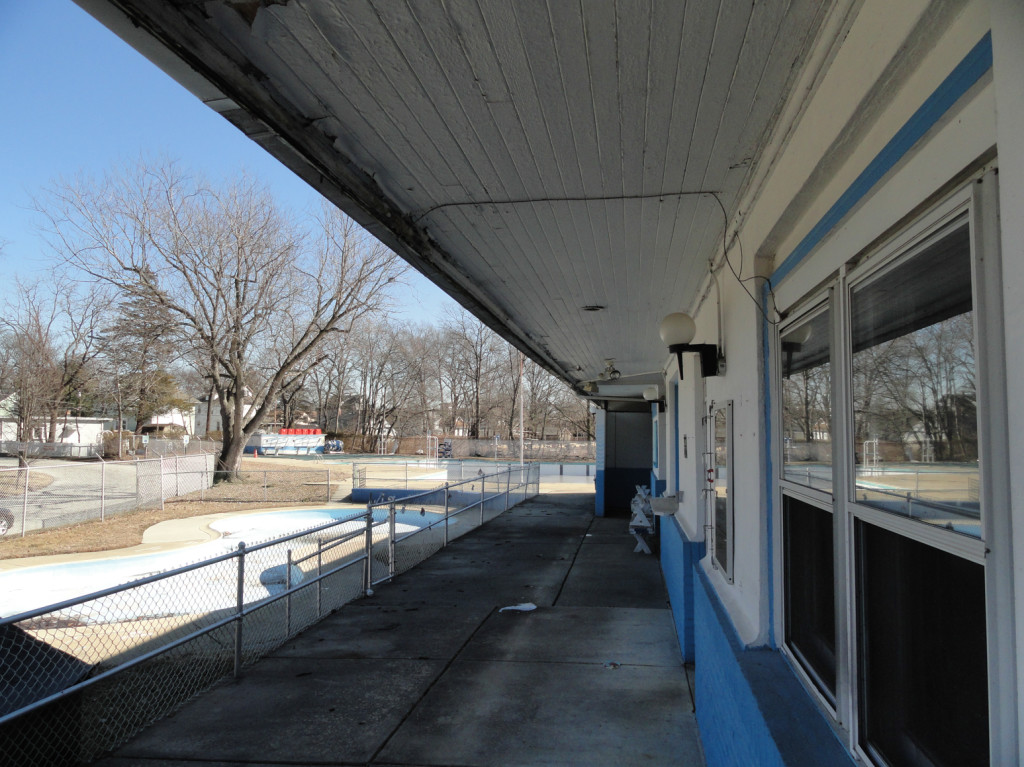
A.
pixel 103 490
pixel 391 540
pixel 24 505
pixel 328 485
pixel 288 596
pixel 240 607
pixel 483 481
pixel 319 575
pixel 161 482
pixel 508 483
pixel 445 513
pixel 367 570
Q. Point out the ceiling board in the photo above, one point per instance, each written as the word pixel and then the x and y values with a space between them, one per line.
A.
pixel 532 157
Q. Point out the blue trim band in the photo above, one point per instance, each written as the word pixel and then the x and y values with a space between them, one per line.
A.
pixel 766 372
pixel 971 69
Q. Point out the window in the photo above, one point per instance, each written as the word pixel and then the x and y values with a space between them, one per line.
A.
pixel 923 662
pixel 810 591
pixel 720 481
pixel 675 433
pixel 915 424
pixel 883 567
pixel 807 402
pixel 654 434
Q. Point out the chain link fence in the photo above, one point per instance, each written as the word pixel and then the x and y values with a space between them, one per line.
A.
pixel 53 495
pixel 85 675
pixel 500 451
pixel 64 450
pixel 47 496
pixel 262 486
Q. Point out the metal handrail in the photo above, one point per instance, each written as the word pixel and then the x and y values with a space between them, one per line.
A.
pixel 526 477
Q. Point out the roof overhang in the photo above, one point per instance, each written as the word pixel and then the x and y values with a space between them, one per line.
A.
pixel 566 171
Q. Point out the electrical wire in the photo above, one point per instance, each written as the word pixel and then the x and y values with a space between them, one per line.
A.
pixel 738 275
pixel 695 193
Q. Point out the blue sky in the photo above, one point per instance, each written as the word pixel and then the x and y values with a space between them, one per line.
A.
pixel 77 98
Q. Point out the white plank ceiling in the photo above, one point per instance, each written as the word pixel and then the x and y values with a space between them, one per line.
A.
pixel 531 157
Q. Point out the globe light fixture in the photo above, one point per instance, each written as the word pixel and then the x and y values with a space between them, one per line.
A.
pixel 677 331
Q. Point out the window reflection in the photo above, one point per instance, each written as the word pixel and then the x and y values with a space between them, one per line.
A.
pixel 723 525
pixel 807 403
pixel 915 402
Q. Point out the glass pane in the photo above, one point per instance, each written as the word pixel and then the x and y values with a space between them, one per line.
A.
pixel 722 522
pixel 914 396
pixel 923 668
pixel 807 403
pixel 810 591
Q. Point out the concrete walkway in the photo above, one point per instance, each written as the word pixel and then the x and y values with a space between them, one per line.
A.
pixel 428 671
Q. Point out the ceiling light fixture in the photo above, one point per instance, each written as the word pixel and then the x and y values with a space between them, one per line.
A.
pixel 610 372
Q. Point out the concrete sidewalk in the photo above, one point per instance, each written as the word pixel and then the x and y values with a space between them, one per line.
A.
pixel 428 671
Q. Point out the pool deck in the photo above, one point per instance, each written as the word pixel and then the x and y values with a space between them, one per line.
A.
pixel 430 671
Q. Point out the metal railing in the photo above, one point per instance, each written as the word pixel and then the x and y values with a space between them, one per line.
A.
pixel 412 475
pixel 88 673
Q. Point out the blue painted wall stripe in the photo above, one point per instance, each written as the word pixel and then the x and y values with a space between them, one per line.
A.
pixel 766 372
pixel 971 69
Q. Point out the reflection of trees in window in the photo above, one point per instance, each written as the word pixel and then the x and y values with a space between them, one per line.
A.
pixel 913 361
pixel 807 401
pixel 807 405
pixel 917 391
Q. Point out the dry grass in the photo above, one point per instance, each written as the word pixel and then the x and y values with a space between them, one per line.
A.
pixel 116 532
pixel 13 484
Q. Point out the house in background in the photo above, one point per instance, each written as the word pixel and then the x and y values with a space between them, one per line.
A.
pixel 158 424
pixel 206 415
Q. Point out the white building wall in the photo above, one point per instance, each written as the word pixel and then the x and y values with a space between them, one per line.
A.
pixel 889 59
pixel 1008 54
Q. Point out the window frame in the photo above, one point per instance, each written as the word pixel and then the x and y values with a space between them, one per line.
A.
pixel 819 302
pixel 956 212
pixel 714 406
pixel 816 303
pixel 976 203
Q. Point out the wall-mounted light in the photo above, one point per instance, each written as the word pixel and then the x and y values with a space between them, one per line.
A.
pixel 677 331
pixel 652 394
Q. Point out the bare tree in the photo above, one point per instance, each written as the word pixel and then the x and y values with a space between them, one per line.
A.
pixel 253 297
pixel 53 341
pixel 475 351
